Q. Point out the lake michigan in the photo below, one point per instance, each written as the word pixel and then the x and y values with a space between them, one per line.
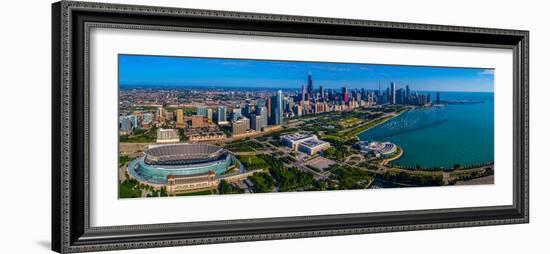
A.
pixel 442 135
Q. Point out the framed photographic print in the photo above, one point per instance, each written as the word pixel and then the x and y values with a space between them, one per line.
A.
pixel 182 126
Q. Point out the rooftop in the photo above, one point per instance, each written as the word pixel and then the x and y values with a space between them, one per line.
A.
pixel 297 136
pixel 313 143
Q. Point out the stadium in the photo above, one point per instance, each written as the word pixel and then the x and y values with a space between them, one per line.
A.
pixel 179 160
pixel 378 149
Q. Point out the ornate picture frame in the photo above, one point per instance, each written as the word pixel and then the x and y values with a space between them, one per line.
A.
pixel 71 229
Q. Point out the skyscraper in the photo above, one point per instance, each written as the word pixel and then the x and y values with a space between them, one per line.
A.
pixel 222 117
pixel 256 122
pixel 303 93
pixel 437 97
pixel 263 115
pixel 407 94
pixel 260 103
pixel 180 122
pixel 247 110
pixel 345 94
pixel 310 87
pixel 160 114
pixel 239 126
pixel 202 111
pixel 237 113
pixel 322 92
pixel 269 106
pixel 125 124
pixel 209 114
pixel 392 96
pixel 278 117
pixel 400 95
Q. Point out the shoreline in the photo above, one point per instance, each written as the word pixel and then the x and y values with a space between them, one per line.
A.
pixel 448 170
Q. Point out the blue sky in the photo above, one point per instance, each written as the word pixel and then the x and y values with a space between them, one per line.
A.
pixel 219 72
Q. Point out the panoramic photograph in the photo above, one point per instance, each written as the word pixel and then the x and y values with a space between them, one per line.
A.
pixel 191 126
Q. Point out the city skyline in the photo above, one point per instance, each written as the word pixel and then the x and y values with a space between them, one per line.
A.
pixel 322 134
pixel 168 71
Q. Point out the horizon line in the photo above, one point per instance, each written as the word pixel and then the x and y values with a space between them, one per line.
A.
pixel 273 88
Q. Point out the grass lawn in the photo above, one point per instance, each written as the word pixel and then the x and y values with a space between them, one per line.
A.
pixel 126 191
pixel 252 162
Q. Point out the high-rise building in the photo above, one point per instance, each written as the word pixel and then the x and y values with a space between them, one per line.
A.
pixel 345 94
pixel 263 115
pixel 392 96
pixel 240 126
pixel 278 119
pixel 246 121
pixel 202 111
pixel 310 87
pixel 125 124
pixel 198 121
pixel 400 96
pixel 236 113
pixel 289 105
pixel 260 103
pixel 209 114
pixel 303 98
pixel 297 110
pixel 256 123
pixel 269 106
pixel 437 98
pixel 180 122
pixel 222 116
pixel 322 92
pixel 247 110
pixel 169 115
pixel 160 114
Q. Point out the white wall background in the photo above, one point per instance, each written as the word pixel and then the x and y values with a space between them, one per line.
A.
pixel 25 125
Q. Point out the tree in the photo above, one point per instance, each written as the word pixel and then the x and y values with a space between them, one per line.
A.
pixel 225 188
pixel 263 182
pixel 163 192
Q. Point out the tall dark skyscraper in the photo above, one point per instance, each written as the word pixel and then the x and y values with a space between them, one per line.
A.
pixel 303 93
pixel 407 94
pixel 269 106
pixel 322 92
pixel 309 87
pixel 437 97
pixel 392 96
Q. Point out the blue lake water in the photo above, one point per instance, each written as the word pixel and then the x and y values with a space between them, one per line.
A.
pixel 442 136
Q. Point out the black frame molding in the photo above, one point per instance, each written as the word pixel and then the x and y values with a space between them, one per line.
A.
pixel 71 22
